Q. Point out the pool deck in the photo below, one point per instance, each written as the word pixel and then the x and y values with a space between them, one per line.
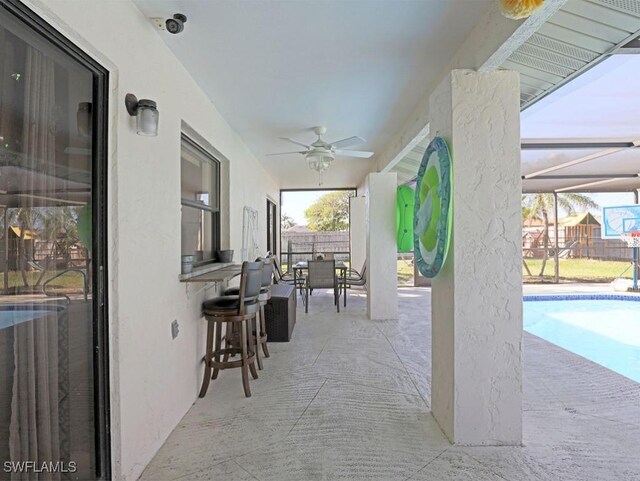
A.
pixel 348 399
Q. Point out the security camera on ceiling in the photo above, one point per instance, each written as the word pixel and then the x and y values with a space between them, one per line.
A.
pixel 175 25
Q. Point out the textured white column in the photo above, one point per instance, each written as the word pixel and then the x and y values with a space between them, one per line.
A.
pixel 382 268
pixel 358 231
pixel 477 297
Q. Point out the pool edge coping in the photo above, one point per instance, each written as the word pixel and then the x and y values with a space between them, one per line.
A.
pixel 577 297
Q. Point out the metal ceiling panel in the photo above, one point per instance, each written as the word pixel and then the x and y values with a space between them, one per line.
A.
pixel 625 6
pixel 596 10
pixel 542 64
pixel 407 167
pixel 577 37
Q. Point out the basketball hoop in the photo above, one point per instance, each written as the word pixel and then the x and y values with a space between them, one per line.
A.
pixel 631 238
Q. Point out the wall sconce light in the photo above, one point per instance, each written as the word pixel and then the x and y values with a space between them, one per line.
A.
pixel 146 114
pixel 83 117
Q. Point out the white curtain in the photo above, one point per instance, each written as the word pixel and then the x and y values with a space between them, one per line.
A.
pixel 35 424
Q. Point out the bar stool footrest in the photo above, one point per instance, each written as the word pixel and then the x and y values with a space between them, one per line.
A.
pixel 232 364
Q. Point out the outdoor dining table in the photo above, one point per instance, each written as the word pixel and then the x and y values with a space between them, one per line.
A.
pixel 340 266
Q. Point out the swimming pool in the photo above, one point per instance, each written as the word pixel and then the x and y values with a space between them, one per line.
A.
pixel 602 328
pixel 14 314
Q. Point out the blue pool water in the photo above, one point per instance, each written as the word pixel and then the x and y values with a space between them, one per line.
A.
pixel 605 330
pixel 10 318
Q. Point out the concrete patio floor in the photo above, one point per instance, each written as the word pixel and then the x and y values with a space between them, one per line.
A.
pixel 348 398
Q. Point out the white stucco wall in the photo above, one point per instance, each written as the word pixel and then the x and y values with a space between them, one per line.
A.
pixel 382 251
pixel 443 298
pixel 154 379
pixel 357 231
pixel 477 297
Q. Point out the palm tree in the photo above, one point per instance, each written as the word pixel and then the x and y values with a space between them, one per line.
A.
pixel 539 205
pixel 286 221
pixel 528 213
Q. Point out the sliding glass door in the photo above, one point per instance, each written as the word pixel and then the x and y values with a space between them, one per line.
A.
pixel 53 402
pixel 272 227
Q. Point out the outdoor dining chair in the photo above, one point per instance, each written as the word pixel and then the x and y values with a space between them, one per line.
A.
pixel 355 274
pixel 354 278
pixel 322 275
pixel 287 277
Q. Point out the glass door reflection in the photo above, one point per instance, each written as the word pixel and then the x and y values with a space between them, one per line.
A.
pixel 47 385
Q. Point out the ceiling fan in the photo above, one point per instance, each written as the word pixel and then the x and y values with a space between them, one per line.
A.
pixel 320 154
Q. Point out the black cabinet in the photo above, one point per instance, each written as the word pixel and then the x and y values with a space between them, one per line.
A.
pixel 280 313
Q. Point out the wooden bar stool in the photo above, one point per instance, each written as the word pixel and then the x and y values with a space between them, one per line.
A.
pixel 260 328
pixel 236 313
pixel 263 298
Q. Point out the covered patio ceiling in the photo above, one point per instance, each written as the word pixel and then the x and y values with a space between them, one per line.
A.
pixel 278 68
pixel 271 79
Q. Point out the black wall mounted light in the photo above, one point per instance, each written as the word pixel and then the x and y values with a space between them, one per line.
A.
pixel 146 113
pixel 83 118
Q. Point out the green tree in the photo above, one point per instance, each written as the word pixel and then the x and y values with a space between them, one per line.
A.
pixel 60 228
pixel 56 225
pixel 27 218
pixel 537 206
pixel 330 212
pixel 286 222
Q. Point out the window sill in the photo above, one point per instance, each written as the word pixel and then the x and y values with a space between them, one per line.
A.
pixel 198 271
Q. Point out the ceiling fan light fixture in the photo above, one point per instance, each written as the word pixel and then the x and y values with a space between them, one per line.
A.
pixel 319 160
pixel 320 154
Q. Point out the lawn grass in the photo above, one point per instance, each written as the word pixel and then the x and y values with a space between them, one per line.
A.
pixel 405 273
pixel 577 270
pixel 70 280
pixel 584 270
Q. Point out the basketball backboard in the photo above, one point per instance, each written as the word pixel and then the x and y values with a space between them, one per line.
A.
pixel 620 220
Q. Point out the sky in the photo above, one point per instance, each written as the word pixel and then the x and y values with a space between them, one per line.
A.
pixel 611 199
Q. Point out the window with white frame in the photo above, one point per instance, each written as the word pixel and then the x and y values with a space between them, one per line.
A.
pixel 200 200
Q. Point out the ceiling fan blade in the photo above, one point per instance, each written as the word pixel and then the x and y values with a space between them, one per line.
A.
pixel 295 142
pixel 354 153
pixel 285 153
pixel 348 142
